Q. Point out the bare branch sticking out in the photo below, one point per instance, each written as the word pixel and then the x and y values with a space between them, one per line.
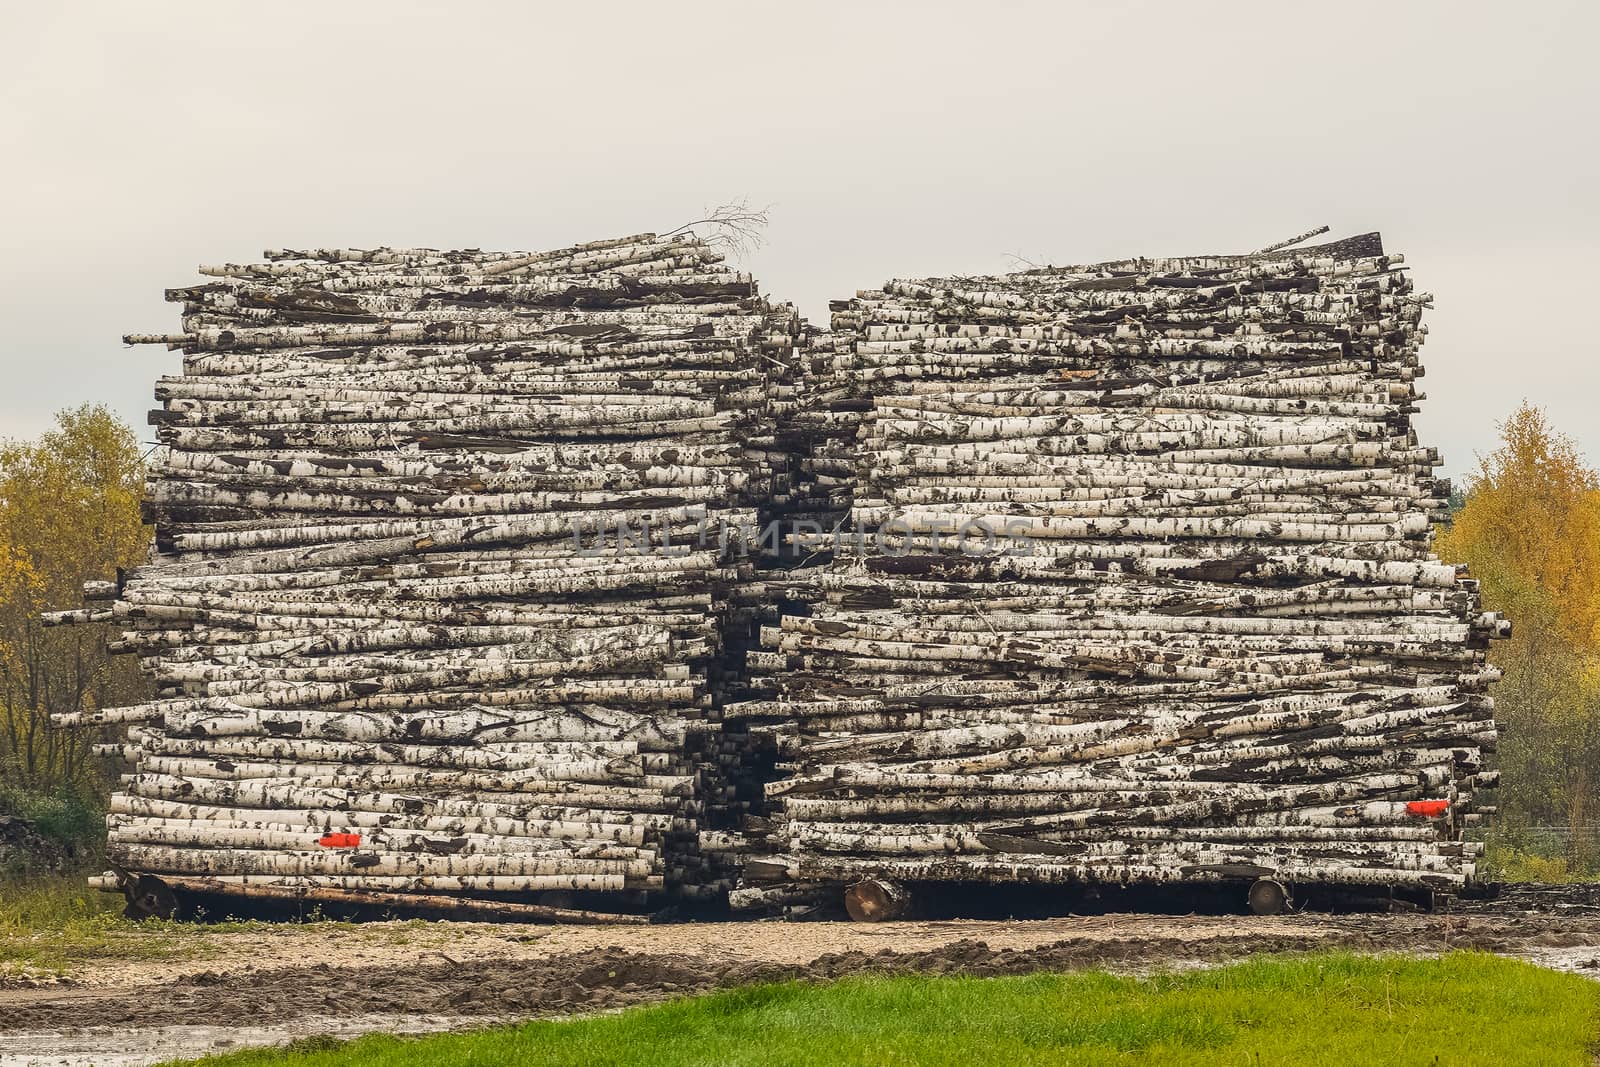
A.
pixel 736 228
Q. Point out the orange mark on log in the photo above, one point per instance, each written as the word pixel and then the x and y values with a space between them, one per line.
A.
pixel 1427 809
pixel 340 841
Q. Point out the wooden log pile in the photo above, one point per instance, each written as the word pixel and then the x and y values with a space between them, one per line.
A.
pixel 819 437
pixel 1137 589
pixel 446 543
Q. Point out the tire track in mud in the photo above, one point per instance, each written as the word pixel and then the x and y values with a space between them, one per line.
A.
pixel 614 976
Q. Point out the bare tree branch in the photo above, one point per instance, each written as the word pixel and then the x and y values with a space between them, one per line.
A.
pixel 735 227
pixel 1020 262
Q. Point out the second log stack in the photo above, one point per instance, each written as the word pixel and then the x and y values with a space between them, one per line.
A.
pixel 1137 589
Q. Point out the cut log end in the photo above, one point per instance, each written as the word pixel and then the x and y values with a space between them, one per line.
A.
pixel 873 900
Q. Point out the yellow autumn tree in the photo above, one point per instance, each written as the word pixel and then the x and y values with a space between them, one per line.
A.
pixel 69 513
pixel 1529 531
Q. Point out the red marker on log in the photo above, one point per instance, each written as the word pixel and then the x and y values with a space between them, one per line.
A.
pixel 340 841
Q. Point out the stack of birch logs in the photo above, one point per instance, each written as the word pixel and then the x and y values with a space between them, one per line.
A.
pixel 445 541
pixel 820 439
pixel 1138 590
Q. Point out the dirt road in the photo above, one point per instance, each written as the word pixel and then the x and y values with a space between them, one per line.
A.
pixel 270 984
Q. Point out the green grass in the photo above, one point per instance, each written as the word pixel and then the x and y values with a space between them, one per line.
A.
pixel 1504 863
pixel 52 925
pixel 1336 1010
pixel 48 922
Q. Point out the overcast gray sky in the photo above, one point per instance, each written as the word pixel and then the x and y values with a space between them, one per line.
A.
pixel 891 139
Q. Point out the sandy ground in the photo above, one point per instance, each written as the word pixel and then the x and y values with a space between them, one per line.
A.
pixel 269 985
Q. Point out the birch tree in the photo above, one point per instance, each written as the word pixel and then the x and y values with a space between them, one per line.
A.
pixel 69 512
pixel 1530 532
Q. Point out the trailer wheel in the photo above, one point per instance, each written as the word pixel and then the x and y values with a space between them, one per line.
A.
pixel 1268 896
pixel 149 897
